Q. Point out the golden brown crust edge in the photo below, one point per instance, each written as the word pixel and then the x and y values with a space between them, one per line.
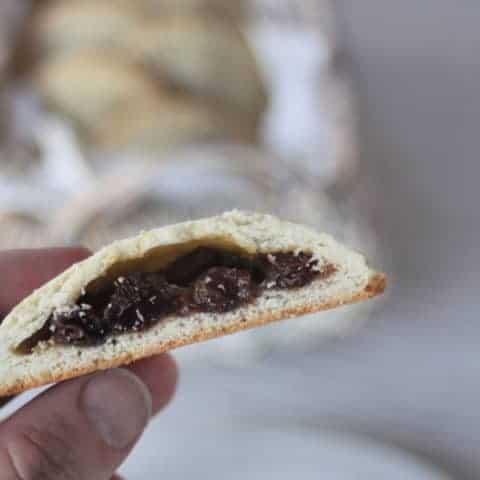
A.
pixel 375 286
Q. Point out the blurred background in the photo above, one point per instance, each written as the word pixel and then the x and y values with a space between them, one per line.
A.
pixel 123 116
pixel 358 118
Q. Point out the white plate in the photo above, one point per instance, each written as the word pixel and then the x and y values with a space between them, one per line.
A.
pixel 254 453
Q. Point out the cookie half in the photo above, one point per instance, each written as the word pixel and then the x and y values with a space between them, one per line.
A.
pixel 174 286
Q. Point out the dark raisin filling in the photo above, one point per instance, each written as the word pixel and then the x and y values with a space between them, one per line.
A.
pixel 205 280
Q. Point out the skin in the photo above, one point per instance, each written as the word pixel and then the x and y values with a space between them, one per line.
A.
pixel 82 428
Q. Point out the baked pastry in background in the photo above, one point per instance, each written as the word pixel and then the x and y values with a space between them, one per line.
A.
pixel 147 73
pixel 114 104
pixel 61 27
pixel 88 86
pixel 203 56
pixel 224 9
pixel 166 120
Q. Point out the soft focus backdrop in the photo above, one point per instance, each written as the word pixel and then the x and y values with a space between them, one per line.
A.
pixel 413 377
pixel 410 377
pixel 120 117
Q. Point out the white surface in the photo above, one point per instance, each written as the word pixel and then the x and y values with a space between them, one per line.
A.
pixel 285 454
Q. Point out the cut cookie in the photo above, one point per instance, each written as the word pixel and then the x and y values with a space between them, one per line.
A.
pixel 174 286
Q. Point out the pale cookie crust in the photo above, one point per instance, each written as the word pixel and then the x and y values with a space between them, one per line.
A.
pixel 249 232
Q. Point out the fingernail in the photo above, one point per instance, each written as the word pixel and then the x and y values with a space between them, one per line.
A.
pixel 118 404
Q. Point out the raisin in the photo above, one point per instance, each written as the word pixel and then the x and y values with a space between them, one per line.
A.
pixel 138 300
pixel 79 325
pixel 205 280
pixel 287 270
pixel 187 268
pixel 222 289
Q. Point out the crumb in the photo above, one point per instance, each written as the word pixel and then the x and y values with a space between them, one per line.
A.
pixel 139 316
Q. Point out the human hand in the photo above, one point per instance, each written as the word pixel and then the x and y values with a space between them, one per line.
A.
pixel 81 429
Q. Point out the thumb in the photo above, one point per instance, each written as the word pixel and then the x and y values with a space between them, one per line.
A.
pixel 80 430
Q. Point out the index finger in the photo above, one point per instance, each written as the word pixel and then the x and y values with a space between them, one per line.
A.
pixel 22 271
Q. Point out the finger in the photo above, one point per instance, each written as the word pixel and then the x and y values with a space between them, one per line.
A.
pixel 23 271
pixel 84 428
pixel 160 374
